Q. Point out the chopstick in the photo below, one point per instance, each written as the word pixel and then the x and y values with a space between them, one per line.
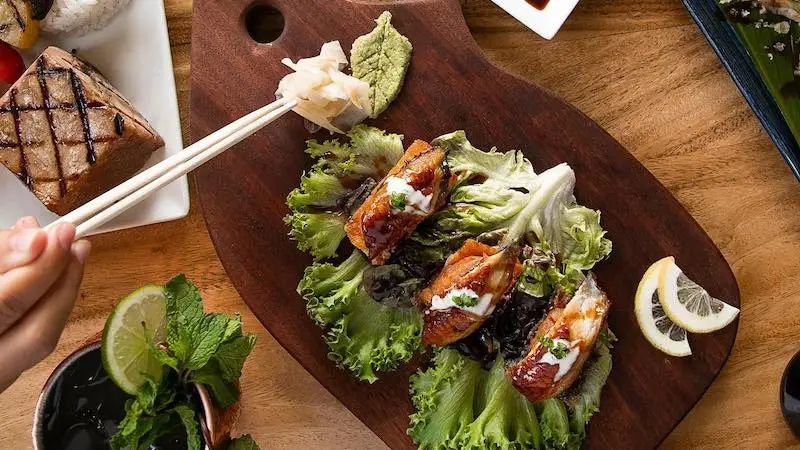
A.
pixel 119 199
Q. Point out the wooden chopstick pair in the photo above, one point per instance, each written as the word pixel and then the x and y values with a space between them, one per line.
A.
pixel 119 199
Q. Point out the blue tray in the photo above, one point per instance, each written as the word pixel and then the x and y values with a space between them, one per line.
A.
pixel 733 55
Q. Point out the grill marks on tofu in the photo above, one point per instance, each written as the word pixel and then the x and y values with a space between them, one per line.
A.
pixel 68 134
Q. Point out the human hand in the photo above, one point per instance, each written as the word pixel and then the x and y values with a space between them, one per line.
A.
pixel 40 275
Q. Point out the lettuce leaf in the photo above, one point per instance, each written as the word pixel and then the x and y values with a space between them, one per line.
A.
pixel 461 406
pixel 510 168
pixel 370 337
pixel 317 233
pixel 318 189
pixel 574 233
pixel 501 191
pixel 317 215
pixel 583 399
pixel 363 336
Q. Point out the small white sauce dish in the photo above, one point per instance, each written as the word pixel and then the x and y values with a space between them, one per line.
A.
pixel 546 21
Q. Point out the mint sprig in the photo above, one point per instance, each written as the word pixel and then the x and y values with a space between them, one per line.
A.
pixel 204 348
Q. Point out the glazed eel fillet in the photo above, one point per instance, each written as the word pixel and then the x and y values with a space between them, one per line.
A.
pixel 465 293
pixel 413 189
pixel 562 343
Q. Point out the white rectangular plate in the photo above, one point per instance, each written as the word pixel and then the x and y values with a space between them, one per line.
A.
pixel 545 22
pixel 133 52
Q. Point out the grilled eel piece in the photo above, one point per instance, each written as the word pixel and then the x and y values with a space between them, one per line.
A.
pixel 413 189
pixel 464 294
pixel 562 343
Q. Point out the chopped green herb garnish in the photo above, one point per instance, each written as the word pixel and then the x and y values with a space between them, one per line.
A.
pixel 465 300
pixel 399 200
pixel 560 350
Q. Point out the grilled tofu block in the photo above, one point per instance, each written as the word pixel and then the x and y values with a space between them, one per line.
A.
pixel 414 189
pixel 68 134
pixel 464 294
pixel 17 24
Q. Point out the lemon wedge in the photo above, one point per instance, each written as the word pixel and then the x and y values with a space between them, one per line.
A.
pixel 657 328
pixel 689 305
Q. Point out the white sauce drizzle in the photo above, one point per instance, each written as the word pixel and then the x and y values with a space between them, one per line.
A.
pixel 565 363
pixel 483 308
pixel 416 201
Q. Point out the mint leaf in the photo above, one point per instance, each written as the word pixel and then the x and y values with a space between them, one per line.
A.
pixel 234 327
pixel 193 337
pixel 159 426
pixel 183 298
pixel 245 442
pixel 224 393
pixel 184 316
pixel 187 417
pixel 232 354
pixel 206 340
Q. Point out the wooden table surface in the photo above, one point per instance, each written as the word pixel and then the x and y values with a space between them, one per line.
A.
pixel 639 68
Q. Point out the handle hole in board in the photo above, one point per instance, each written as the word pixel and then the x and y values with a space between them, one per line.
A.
pixel 264 23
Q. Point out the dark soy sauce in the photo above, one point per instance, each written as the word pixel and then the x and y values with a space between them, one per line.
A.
pixel 84 408
pixel 539 4
pixel 790 394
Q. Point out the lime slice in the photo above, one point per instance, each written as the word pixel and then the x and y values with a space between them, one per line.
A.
pixel 657 328
pixel 138 320
pixel 688 304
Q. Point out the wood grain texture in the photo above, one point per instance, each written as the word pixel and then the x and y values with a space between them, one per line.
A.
pixel 450 86
pixel 643 72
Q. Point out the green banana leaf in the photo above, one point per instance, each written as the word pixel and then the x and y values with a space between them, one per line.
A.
pixel 776 66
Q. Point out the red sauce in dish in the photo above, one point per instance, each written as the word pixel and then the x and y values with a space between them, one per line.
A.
pixel 538 4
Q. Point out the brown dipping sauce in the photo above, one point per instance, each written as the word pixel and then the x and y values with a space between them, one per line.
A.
pixel 538 4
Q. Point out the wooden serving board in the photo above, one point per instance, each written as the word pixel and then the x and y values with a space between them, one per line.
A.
pixel 450 86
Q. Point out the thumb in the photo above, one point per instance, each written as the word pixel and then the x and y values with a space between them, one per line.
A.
pixel 20 246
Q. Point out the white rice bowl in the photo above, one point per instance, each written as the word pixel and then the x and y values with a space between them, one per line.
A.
pixel 80 16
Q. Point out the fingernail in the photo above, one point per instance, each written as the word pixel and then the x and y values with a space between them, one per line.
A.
pixel 23 239
pixel 27 222
pixel 81 250
pixel 66 235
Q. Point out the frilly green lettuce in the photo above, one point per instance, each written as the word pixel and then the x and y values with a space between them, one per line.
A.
pixel 574 233
pixel 317 233
pixel 509 168
pixel 461 406
pixel 501 191
pixel 363 335
pixel 317 190
pixel 583 398
pixel 317 221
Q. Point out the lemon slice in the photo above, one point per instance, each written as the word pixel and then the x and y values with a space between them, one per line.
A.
pixel 657 328
pixel 137 321
pixel 688 304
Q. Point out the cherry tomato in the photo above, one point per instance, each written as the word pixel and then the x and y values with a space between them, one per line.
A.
pixel 11 65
